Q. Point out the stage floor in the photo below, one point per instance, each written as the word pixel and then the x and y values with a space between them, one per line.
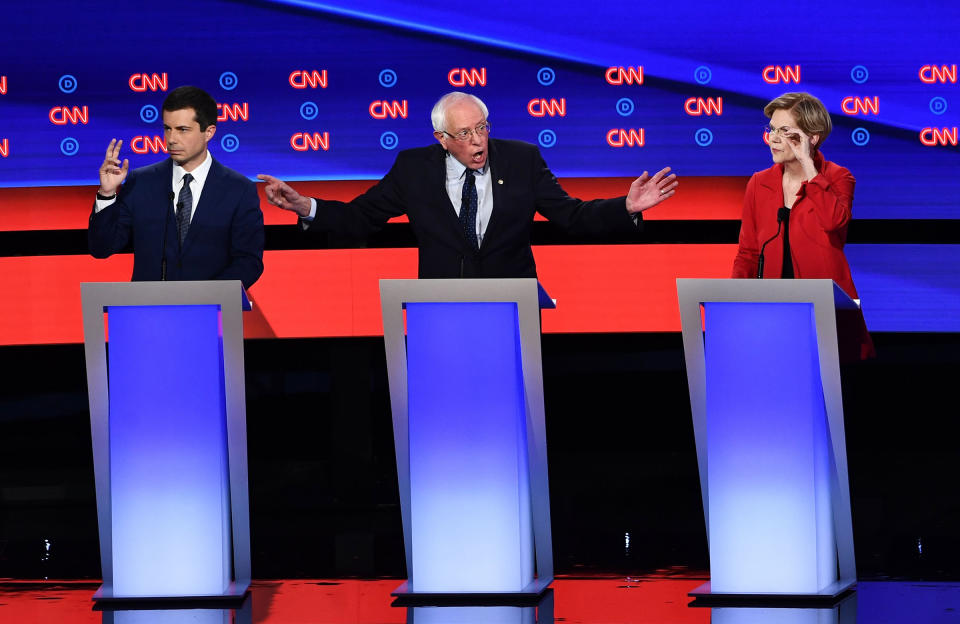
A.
pixel 595 600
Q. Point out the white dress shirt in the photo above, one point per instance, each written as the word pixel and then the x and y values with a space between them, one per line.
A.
pixel 456 174
pixel 454 181
pixel 176 182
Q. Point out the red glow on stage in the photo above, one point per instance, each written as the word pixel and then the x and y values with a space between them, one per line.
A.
pixel 349 601
pixel 68 207
pixel 334 293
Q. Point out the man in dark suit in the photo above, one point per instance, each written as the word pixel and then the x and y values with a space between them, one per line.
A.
pixel 471 199
pixel 188 217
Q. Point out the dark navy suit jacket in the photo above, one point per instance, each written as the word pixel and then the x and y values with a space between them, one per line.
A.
pixel 225 239
pixel 522 186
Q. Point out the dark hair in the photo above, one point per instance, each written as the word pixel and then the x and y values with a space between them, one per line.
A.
pixel 203 105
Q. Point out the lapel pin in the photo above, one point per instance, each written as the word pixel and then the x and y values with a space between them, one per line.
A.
pixel 499 181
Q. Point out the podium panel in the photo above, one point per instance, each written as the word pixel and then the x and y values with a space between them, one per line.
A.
pixel 767 453
pixel 469 479
pixel 764 378
pixel 169 438
pixel 463 360
pixel 168 451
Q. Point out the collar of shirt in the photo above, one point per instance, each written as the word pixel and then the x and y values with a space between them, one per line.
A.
pixel 456 169
pixel 199 176
pixel 196 185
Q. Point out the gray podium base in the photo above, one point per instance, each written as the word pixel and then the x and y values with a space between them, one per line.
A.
pixel 528 596
pixel 232 595
pixel 828 596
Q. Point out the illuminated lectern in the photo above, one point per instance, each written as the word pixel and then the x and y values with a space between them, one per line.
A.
pixel 764 378
pixel 466 391
pixel 168 424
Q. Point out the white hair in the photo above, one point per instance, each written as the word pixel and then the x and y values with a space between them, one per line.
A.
pixel 439 113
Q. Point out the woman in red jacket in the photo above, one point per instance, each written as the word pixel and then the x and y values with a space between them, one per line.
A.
pixel 813 198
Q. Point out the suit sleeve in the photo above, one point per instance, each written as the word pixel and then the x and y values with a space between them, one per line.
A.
pixel 366 213
pixel 246 240
pixel 831 193
pixel 748 253
pixel 109 230
pixel 583 218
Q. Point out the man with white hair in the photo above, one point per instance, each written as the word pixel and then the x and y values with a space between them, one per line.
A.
pixel 471 199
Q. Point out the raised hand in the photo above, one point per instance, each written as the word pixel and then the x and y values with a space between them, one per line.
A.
pixel 646 191
pixel 112 174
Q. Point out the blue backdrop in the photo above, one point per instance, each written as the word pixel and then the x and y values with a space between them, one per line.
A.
pixel 88 58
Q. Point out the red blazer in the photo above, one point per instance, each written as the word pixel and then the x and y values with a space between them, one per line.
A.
pixel 818 228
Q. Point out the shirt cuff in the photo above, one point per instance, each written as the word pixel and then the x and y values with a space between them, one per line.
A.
pixel 307 220
pixel 103 203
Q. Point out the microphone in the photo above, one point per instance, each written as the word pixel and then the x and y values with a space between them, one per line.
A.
pixel 163 249
pixel 783 214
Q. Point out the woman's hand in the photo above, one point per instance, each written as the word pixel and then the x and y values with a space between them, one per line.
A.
pixel 797 142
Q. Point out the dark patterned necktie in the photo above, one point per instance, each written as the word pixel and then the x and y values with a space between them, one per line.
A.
pixel 468 208
pixel 184 207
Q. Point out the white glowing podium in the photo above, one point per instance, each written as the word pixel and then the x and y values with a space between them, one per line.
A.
pixel 466 390
pixel 764 378
pixel 168 424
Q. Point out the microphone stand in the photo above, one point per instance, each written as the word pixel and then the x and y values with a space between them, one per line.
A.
pixel 163 249
pixel 782 214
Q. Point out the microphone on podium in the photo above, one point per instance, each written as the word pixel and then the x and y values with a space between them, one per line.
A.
pixel 783 214
pixel 163 248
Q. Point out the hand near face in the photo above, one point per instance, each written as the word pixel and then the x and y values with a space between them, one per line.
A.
pixel 646 191
pixel 280 194
pixel 112 174
pixel 797 142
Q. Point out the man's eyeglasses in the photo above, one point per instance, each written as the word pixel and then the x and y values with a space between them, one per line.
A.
pixel 481 131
